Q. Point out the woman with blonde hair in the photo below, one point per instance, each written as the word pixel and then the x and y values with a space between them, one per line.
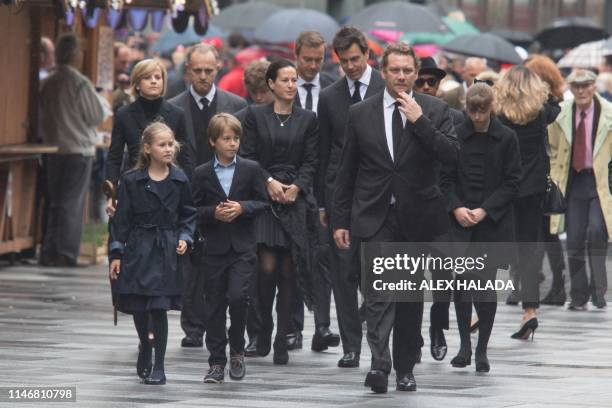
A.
pixel 521 104
pixel 149 81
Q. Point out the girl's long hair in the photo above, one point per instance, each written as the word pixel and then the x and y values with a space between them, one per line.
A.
pixel 520 95
pixel 149 135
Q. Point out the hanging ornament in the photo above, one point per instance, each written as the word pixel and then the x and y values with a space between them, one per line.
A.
pixel 138 18
pixel 69 16
pixel 180 22
pixel 113 17
pixel 158 17
pixel 91 21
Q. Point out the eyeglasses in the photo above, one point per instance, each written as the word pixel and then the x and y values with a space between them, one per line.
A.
pixel 430 82
pixel 484 81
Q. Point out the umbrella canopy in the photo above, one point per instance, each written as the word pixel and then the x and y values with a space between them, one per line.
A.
pixel 284 26
pixel 398 16
pixel 484 45
pixel 587 55
pixel 607 47
pixel 169 39
pixel 244 16
pixel 570 32
pixel 519 38
pixel 457 27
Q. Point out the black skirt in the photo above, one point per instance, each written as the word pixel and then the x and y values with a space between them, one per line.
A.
pixel 268 230
pixel 141 304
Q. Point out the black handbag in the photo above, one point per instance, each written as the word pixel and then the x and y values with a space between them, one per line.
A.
pixel 554 202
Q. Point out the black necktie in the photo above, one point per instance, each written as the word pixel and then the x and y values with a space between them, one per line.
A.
pixel 204 103
pixel 308 88
pixel 356 95
pixel 397 129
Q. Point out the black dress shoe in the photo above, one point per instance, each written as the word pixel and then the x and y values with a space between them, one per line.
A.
pixel 462 359
pixel 324 338
pixel 281 352
pixel 349 360
pixel 191 341
pixel 482 362
pixel 377 381
pixel 294 341
pixel 156 378
pixel 437 345
pixel 556 296
pixel 251 348
pixel 406 382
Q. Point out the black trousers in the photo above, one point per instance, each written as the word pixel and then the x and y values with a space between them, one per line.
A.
pixel 228 285
pixel 553 249
pixel 529 217
pixel 587 238
pixel 253 325
pixel 193 314
pixel 404 318
pixel 346 280
pixel 322 289
pixel 438 314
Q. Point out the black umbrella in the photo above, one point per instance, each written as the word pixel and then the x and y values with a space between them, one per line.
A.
pixel 244 17
pixel 570 32
pixel 520 38
pixel 484 45
pixel 284 26
pixel 398 16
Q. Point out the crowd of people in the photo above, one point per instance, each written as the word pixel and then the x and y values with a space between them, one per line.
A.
pixel 231 204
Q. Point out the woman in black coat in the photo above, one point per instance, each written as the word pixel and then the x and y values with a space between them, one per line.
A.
pixel 283 139
pixel 148 79
pixel 481 189
pixel 521 102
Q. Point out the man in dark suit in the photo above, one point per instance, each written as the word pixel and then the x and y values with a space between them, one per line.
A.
pixel 200 102
pixel 309 54
pixel 428 83
pixel 361 82
pixel 387 190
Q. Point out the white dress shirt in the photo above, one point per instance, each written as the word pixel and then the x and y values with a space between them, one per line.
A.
pixel 364 81
pixel 316 89
pixel 209 96
pixel 388 108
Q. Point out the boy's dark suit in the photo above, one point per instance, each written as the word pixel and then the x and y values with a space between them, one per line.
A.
pixel 229 251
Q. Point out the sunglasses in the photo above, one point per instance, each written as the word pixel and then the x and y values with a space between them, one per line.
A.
pixel 484 81
pixel 430 82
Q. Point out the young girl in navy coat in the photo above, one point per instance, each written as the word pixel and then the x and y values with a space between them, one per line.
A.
pixel 153 224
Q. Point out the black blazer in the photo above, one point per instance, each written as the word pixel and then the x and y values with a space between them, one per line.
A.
pixel 325 79
pixel 502 178
pixel 247 188
pixel 260 126
pixel 368 177
pixel 226 102
pixel 332 112
pixel 128 125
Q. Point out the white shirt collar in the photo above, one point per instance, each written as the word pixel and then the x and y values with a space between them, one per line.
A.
pixel 316 81
pixel 210 95
pixel 364 80
pixel 388 100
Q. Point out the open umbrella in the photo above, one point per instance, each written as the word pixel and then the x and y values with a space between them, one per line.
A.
pixel 398 16
pixel 244 17
pixel 457 28
pixel 484 45
pixel 169 39
pixel 284 26
pixel 520 38
pixel 607 47
pixel 587 55
pixel 570 32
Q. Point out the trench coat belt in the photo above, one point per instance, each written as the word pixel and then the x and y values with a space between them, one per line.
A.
pixel 159 241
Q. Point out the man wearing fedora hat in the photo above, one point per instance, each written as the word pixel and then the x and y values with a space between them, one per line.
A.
pixel 428 83
pixel 581 142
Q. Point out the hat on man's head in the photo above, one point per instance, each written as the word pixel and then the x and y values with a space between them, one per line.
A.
pixel 581 76
pixel 428 66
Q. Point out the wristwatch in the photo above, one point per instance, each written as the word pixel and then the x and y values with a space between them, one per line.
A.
pixel 269 180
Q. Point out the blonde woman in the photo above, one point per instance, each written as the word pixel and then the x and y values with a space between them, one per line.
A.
pixel 148 80
pixel 521 103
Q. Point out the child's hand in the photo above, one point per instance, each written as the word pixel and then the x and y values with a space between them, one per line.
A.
pixel 115 267
pixel 233 210
pixel 182 247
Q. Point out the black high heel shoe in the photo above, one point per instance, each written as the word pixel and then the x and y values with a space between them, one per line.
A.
pixel 462 359
pixel 528 329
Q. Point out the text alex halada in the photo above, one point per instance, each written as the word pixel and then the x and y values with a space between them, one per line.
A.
pixel 443 285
